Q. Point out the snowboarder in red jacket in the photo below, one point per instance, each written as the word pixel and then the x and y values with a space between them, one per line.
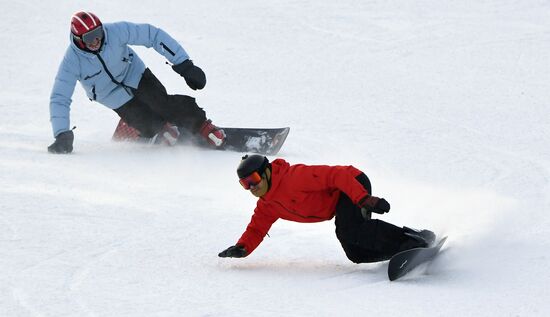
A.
pixel 317 193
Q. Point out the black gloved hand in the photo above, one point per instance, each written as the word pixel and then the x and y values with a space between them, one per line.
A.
pixel 63 143
pixel 194 76
pixel 235 251
pixel 373 204
pixel 382 206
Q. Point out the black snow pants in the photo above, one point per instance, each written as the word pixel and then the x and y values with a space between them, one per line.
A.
pixel 365 240
pixel 151 107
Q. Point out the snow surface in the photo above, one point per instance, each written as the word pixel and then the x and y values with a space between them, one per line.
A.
pixel 444 104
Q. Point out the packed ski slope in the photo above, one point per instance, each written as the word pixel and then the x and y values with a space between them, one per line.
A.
pixel 444 104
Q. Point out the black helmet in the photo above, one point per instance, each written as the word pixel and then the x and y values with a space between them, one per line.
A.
pixel 252 163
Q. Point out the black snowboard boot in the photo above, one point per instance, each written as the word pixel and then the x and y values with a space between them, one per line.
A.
pixel 416 239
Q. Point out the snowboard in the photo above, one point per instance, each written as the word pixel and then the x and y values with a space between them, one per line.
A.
pixel 267 141
pixel 405 261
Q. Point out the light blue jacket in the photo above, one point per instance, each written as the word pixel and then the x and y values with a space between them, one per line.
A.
pixel 122 62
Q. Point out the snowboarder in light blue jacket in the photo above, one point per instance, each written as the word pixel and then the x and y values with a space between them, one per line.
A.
pixel 112 74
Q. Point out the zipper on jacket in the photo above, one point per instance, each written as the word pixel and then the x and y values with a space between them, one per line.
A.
pixel 167 49
pixel 126 88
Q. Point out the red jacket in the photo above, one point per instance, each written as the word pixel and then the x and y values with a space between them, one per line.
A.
pixel 301 193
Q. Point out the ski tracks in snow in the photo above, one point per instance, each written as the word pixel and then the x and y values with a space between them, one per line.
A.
pixel 70 289
pixel 85 272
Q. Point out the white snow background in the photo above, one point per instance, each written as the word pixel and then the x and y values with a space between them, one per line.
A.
pixel 443 104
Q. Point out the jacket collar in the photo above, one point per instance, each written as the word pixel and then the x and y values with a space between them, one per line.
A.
pixel 279 167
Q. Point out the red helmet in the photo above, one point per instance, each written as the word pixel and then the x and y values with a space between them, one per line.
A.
pixel 82 25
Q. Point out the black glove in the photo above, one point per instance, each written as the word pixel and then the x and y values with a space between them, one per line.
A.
pixel 374 204
pixel 194 76
pixel 63 143
pixel 235 251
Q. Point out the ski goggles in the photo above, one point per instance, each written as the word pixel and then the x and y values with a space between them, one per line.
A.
pixel 251 180
pixel 88 38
